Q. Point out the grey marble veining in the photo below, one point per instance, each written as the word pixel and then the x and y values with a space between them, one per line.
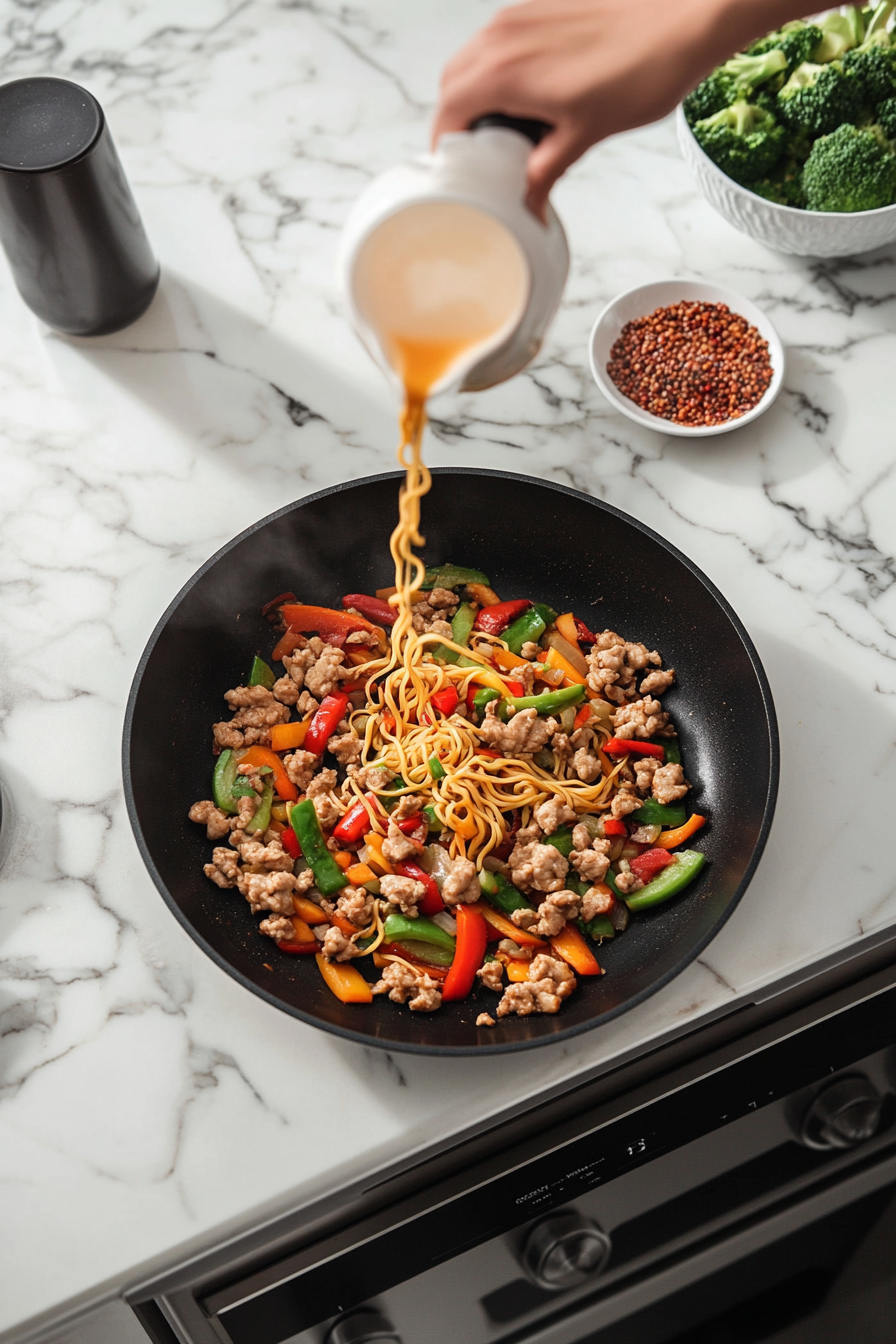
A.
pixel 145 1099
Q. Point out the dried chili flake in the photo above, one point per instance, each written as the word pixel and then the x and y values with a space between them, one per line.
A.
pixel 692 363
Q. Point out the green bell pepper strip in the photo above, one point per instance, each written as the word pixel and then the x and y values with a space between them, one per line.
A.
pixel 669 882
pixel 483 697
pixel 398 928
pixel 328 876
pixel 652 813
pixel 446 655
pixel 673 749
pixel 561 840
pixel 601 926
pixel 433 822
pixel 610 879
pixel 525 629
pixel 577 885
pixel 262 819
pixel 436 768
pixel 261 674
pixel 502 894
pixel 421 951
pixel 550 702
pixel 547 614
pixel 462 624
pixel 453 576
pixel 223 781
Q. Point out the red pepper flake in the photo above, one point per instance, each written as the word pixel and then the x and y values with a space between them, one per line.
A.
pixel 692 363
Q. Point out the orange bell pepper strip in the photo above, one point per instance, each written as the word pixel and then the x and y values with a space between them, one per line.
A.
pixel 288 642
pixel 507 661
pixel 507 930
pixel 282 782
pixel 343 925
pixel 566 624
pixel 359 874
pixel 558 663
pixel 583 717
pixel 472 936
pixel 346 982
pixel 517 970
pixel 307 910
pixel 324 620
pixel 302 932
pixel 343 858
pixel 571 946
pixel 671 839
pixel 288 736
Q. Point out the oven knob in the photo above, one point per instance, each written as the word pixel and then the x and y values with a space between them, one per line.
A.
pixel 362 1327
pixel 844 1115
pixel 564 1250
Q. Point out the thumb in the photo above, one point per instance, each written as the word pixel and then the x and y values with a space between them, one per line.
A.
pixel 549 161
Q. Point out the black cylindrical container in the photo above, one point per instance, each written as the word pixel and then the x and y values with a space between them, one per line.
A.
pixel 68 222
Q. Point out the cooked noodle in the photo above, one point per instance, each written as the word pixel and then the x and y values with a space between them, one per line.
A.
pixel 477 790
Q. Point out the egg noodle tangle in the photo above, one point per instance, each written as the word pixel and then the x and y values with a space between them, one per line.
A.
pixel 477 789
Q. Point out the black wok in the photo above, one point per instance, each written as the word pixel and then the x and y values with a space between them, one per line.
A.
pixel 534 540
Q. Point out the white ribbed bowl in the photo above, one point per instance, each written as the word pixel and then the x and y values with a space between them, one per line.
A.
pixel 804 233
pixel 644 299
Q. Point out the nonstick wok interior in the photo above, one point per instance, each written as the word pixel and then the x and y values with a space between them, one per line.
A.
pixel 533 540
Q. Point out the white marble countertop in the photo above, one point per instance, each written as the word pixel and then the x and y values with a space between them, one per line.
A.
pixel 146 1098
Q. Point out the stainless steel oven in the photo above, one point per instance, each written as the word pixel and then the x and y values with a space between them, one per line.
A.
pixel 731 1170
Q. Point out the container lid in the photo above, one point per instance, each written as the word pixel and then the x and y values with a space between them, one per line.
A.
pixel 45 124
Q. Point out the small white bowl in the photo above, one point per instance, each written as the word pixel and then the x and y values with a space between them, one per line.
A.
pixel 802 233
pixel 644 299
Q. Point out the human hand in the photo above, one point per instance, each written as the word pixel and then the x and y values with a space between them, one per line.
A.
pixel 592 68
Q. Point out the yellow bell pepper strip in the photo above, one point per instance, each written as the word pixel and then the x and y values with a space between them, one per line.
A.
pixel 346 982
pixel 223 781
pixel 452 576
pixel 677 836
pixel 288 736
pixel 505 929
pixel 554 659
pixel 517 970
pixel 417 594
pixel 571 946
pixel 376 859
pixel 328 876
pixel 282 782
pixel 566 624
pixel 493 682
pixel 307 910
pixel 472 937
pixel 261 674
pixel 679 874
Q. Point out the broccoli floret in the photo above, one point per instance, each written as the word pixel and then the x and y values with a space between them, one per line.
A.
pixel 850 170
pixel 797 40
pixel 818 98
pixel 731 82
pixel 874 69
pixel 839 34
pixel 784 185
pixel 743 140
pixel 886 117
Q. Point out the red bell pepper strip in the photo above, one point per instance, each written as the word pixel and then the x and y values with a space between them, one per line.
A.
pixel 399 950
pixel 282 782
pixel 290 842
pixel 583 632
pixel 652 861
pixel 614 827
pixel 487 751
pixel 446 700
pixel 495 620
pixel 300 949
pixel 432 902
pixel 472 937
pixel 374 608
pixel 408 825
pixel 332 626
pixel 356 822
pixel 271 610
pixel 618 746
pixel 320 729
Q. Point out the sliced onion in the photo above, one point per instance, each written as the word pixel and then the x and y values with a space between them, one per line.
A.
pixel 445 921
pixel 571 654
pixel 437 862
